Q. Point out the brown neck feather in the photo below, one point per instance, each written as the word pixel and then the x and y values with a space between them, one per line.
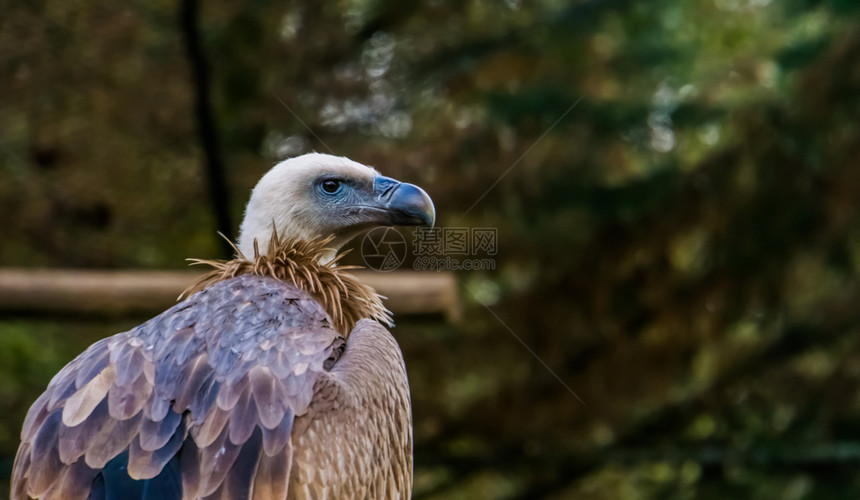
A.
pixel 344 297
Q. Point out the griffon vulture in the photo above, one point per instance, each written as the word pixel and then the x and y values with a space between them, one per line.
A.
pixel 275 380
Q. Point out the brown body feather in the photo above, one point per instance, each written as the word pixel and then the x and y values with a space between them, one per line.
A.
pixel 344 296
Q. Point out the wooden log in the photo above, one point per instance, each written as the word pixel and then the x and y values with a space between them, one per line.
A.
pixel 132 293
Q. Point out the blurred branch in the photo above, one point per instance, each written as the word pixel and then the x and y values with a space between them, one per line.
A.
pixel 128 293
pixel 207 128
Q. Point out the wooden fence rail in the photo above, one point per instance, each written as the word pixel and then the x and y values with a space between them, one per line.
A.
pixel 128 293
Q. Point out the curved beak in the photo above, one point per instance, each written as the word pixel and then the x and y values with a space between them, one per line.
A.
pixel 404 204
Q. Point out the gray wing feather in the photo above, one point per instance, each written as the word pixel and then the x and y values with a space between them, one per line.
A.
pixel 242 420
pixel 273 475
pixel 222 375
pixel 73 441
pixel 148 463
pixel 154 434
pixel 45 457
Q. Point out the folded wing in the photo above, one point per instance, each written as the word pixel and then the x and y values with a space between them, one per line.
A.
pixel 198 402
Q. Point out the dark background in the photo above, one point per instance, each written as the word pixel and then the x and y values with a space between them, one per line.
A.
pixel 675 186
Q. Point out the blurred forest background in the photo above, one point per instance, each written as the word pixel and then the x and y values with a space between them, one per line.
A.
pixel 675 186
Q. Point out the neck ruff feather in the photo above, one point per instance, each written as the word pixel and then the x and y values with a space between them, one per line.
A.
pixel 344 297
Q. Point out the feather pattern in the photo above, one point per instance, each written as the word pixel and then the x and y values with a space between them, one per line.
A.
pixel 275 439
pixel 155 433
pixel 73 483
pixel 112 439
pixel 81 404
pixel 45 457
pixel 125 401
pixel 35 417
pixel 343 296
pixel 273 474
pixel 215 462
pixel 237 391
pixel 74 441
pixel 189 467
pixel 144 464
pixel 212 427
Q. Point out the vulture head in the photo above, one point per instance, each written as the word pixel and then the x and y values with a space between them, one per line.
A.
pixel 318 195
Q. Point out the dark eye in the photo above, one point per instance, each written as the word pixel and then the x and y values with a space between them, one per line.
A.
pixel 331 186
